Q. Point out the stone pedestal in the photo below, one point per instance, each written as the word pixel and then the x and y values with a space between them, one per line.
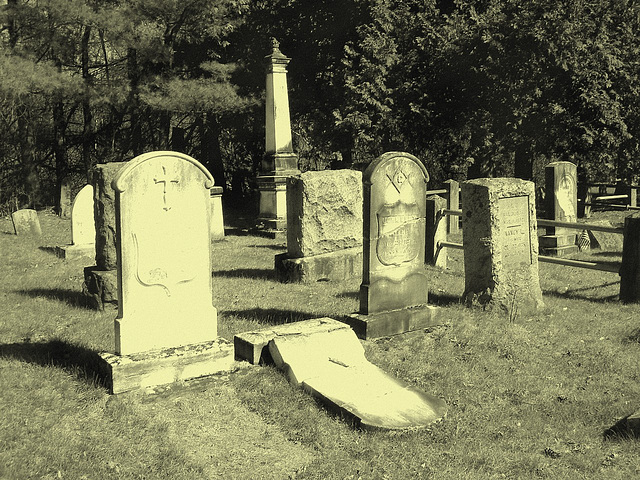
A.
pixel 500 244
pixel 395 285
pixel 561 204
pixel 150 369
pixel 324 227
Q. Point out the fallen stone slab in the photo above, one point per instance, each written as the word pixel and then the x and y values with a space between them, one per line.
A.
pixel 331 365
pixel 253 346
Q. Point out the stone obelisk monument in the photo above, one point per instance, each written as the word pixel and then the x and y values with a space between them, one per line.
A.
pixel 279 161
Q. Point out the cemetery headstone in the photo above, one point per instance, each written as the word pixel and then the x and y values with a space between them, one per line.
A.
pixel 100 280
pixel 217 218
pixel 26 222
pixel 65 198
pixel 324 227
pixel 630 266
pixel 395 285
pixel 561 204
pixel 164 268
pixel 83 231
pixel 500 244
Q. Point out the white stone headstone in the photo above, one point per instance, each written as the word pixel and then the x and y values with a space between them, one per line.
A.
pixel 25 222
pixel 164 268
pixel 83 229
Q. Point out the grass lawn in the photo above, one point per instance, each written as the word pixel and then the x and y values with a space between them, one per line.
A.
pixel 538 397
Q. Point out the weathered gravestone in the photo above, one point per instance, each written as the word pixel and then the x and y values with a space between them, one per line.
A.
pixel 83 231
pixel 26 223
pixel 324 227
pixel 395 285
pixel 326 359
pixel 217 219
pixel 166 327
pixel 65 198
pixel 561 204
pixel 100 280
pixel 500 244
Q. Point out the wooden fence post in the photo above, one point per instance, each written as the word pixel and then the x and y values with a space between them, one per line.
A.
pixel 453 203
pixel 630 268
pixel 436 231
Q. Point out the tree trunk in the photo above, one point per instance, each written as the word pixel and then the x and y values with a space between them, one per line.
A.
pixel 134 102
pixel 211 154
pixel 87 115
pixel 59 148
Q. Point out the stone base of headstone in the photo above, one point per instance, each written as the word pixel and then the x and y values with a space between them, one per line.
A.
pixel 101 286
pixel 334 266
pixel 161 367
pixel 331 366
pixel 253 346
pixel 272 220
pixel 72 252
pixel 605 240
pixel 392 322
pixel 557 245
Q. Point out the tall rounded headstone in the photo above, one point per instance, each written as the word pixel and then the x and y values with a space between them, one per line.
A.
pixel 395 285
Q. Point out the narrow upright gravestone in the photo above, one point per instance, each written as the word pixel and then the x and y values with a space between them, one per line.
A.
pixel 324 227
pixel 500 244
pixel 166 328
pixel 83 230
pixel 395 286
pixel 561 204
pixel 26 223
pixel 100 280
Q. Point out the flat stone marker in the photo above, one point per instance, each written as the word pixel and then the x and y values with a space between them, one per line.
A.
pixel 332 367
pixel 26 223
pixel 83 230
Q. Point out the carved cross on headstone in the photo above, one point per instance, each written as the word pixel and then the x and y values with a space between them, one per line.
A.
pixel 164 180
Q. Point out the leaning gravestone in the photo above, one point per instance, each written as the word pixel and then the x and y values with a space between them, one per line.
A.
pixel 166 327
pixel 26 223
pixel 500 244
pixel 395 285
pixel 324 227
pixel 100 280
pixel 83 231
pixel 561 204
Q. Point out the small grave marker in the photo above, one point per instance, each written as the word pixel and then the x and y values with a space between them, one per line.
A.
pixel 83 230
pixel 26 222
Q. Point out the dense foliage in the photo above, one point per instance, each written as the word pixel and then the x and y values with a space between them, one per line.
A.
pixel 474 88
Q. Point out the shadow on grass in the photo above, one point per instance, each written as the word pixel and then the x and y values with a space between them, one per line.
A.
pixel 70 297
pixel 352 295
pixel 257 273
pixel 51 250
pixel 444 299
pixel 570 295
pixel 606 254
pixel 271 316
pixel 623 430
pixel 83 363
pixel 634 337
